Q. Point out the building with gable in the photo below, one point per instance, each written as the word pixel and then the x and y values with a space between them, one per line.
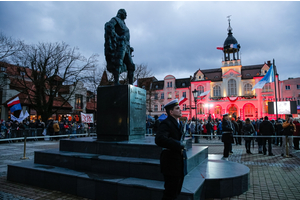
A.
pixel 230 88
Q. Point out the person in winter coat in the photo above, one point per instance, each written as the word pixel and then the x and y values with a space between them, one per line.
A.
pixel 248 130
pixel 227 137
pixel 56 128
pixel 289 129
pixel 297 133
pixel 266 128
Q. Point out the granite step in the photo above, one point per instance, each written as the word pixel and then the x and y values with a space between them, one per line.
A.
pixel 117 165
pixel 141 148
pixel 98 186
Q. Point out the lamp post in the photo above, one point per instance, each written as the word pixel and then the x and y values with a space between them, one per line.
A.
pixel 195 94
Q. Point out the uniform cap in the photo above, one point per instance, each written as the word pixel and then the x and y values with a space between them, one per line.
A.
pixel 171 104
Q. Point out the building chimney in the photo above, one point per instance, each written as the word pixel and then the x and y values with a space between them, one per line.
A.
pixel 269 62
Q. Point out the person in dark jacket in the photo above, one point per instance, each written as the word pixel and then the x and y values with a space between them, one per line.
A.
pixel 156 124
pixel 248 130
pixel 227 137
pixel 173 155
pixel 240 123
pixel 236 130
pixel 266 128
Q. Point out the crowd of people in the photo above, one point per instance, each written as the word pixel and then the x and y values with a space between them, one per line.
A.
pixel 246 132
pixel 14 129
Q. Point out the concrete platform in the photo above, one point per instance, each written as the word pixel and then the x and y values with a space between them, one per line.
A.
pixel 110 176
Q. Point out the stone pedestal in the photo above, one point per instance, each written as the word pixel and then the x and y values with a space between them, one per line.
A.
pixel 121 113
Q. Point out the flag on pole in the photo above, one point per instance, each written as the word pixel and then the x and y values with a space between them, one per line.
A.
pixel 182 100
pixel 220 48
pixel 135 83
pixel 14 104
pixel 203 94
pixel 268 78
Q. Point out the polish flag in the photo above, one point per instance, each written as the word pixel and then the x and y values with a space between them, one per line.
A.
pixel 13 102
pixel 182 100
pixel 135 83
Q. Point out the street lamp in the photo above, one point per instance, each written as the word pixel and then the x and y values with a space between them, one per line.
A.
pixel 195 94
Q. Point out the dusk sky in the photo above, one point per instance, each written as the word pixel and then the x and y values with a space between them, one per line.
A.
pixel 169 37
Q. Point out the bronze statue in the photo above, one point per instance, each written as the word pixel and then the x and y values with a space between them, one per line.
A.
pixel 117 48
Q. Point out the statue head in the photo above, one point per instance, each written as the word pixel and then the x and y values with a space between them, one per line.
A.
pixel 122 14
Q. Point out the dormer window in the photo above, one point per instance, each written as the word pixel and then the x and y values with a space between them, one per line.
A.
pixel 22 73
pixel 248 75
pixel 183 84
pixel 3 69
pixel 156 86
pixel 216 77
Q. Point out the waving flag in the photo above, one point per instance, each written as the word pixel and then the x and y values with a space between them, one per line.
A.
pixel 14 104
pixel 268 78
pixel 203 94
pixel 182 100
pixel 220 48
pixel 135 83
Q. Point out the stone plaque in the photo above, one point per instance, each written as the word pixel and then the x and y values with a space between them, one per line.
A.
pixel 121 113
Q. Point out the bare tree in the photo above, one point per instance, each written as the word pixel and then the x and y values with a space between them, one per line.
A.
pixel 47 66
pixel 9 46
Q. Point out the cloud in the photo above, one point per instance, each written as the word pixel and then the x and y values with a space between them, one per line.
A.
pixel 174 38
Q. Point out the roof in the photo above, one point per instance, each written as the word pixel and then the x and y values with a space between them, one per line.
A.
pixel 183 83
pixel 158 85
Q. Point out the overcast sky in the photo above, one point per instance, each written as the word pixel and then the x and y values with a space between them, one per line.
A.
pixel 174 38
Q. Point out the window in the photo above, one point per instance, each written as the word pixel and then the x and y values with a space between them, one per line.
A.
pixel 183 84
pixel 184 94
pixel 78 101
pixel 143 87
pixel 183 106
pixel 298 87
pixel 177 95
pixel 287 87
pixel 169 84
pixel 162 96
pixel 217 91
pixel 200 89
pixel 169 95
pixel 162 107
pixel 156 96
pixel 248 89
pixel 248 75
pixel 249 110
pixel 267 88
pixel 200 109
pixel 156 86
pixel 216 77
pixel 155 108
pixel 22 73
pixel 231 87
pixel 3 69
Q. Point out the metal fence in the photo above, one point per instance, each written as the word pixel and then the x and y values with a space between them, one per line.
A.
pixel 40 133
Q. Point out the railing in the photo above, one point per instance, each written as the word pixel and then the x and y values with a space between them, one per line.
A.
pixel 37 133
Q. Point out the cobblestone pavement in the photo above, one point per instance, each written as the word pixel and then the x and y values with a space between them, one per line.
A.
pixel 271 177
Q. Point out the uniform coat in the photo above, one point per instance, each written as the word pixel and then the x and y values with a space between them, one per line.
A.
pixel 168 136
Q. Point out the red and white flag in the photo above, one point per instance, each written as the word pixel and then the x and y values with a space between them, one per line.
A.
pixel 204 93
pixel 13 102
pixel 182 100
pixel 135 83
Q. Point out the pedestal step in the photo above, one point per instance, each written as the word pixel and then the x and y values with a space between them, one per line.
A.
pixel 145 168
pixel 98 186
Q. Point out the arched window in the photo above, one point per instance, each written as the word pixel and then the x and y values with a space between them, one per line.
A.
pixel 200 109
pixel 200 89
pixel 231 87
pixel 248 89
pixel 217 91
pixel 249 110
pixel 232 110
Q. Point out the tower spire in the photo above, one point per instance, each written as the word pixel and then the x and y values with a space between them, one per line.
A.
pixel 229 27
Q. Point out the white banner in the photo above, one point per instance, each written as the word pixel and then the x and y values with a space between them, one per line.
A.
pixel 87 118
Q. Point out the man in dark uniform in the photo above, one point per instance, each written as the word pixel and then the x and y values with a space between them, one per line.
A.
pixel 117 47
pixel 227 137
pixel 173 156
pixel 266 128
